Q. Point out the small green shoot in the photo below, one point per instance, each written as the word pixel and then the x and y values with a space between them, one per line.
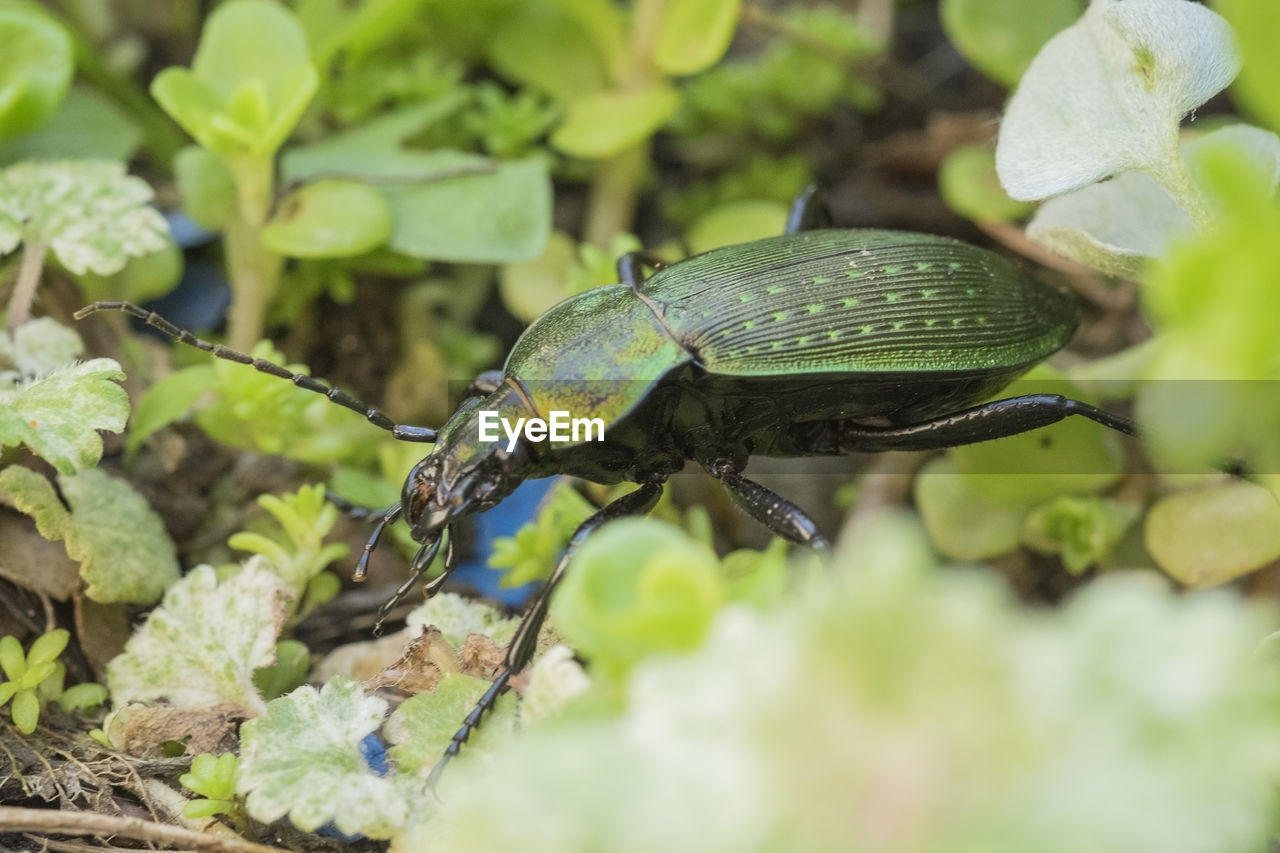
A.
pixel 214 779
pixel 297 551
pixel 36 677
pixel 531 553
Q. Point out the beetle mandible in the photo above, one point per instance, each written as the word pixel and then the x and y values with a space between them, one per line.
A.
pixel 820 341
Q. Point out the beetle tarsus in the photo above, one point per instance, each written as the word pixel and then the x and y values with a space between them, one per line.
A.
pixel 389 515
pixel 771 509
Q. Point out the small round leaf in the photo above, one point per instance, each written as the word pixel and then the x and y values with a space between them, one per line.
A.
pixel 329 219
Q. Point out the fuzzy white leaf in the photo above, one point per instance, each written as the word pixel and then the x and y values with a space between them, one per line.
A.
pixel 303 759
pixel 202 644
pixel 1115 226
pixel 1106 94
pixel 93 215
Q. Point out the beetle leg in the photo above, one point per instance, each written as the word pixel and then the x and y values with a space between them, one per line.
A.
pixel 809 211
pixel 771 509
pixel 485 384
pixel 421 562
pixel 525 642
pixel 997 419
pixel 388 516
pixel 631 267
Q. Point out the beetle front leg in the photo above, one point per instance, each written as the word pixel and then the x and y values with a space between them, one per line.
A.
pixel 997 419
pixel 771 509
pixel 525 642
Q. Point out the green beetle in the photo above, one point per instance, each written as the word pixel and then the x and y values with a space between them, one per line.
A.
pixel 817 342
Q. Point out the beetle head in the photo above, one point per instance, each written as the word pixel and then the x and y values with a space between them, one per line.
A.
pixel 464 475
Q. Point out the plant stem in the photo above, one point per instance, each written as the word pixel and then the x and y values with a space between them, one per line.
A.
pixel 254 269
pixel 615 189
pixel 24 289
pixel 1175 177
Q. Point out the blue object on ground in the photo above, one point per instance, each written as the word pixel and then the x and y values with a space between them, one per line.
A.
pixel 503 520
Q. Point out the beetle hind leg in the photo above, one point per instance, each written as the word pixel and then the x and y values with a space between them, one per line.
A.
pixel 771 509
pixel 997 419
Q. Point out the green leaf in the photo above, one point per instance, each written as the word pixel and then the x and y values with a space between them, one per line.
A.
pixel 1255 23
pixel 82 697
pixel 120 543
pixel 636 588
pixel 212 776
pixel 530 287
pixel 501 216
pixel 998 36
pixel 694 34
pixel 35 68
pixel 962 523
pixel 601 125
pixel 376 149
pixel 1211 535
pixel 167 400
pixel 969 185
pixel 207 187
pixel 37 347
pixel 303 760
pixel 86 125
pixel 1084 530
pixel 423 725
pixel 296 551
pixel 293 660
pixel 329 219
pixel 532 552
pixel 59 415
pixel 736 222
pixel 12 659
pixel 1213 302
pixel 47 647
pixel 249 82
pixel 124 552
pixel 444 204
pixel 549 48
pixel 203 643
pixel 1106 95
pixel 26 710
pixel 142 279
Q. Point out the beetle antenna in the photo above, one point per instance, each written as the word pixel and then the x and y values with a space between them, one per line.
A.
pixel 403 432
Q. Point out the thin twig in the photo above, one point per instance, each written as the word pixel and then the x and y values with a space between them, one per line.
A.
pixel 49 821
